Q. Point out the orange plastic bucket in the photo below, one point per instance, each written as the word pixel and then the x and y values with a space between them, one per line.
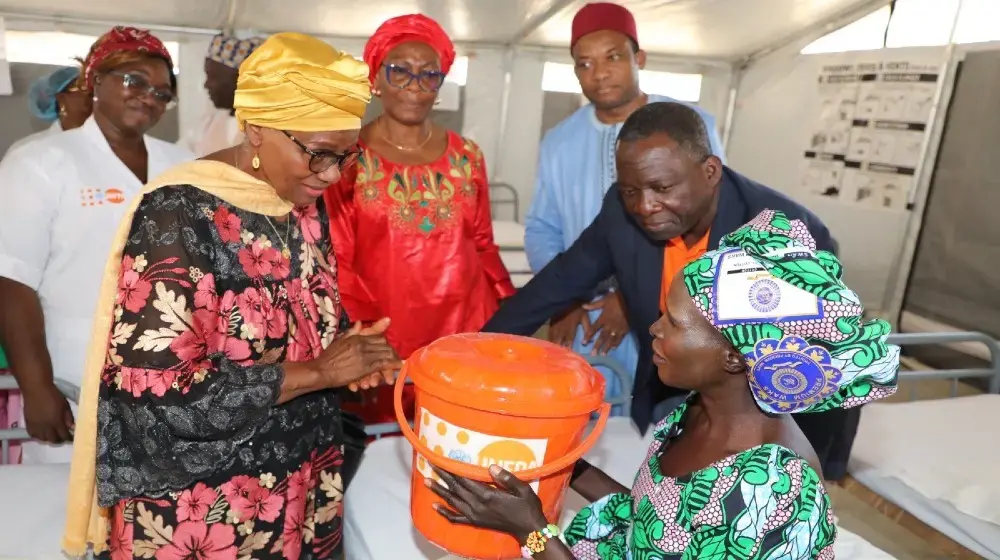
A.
pixel 484 399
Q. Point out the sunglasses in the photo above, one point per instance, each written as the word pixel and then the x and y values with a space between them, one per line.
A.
pixel 321 160
pixel 139 86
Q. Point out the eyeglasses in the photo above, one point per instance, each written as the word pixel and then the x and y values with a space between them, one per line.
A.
pixel 320 161
pixel 400 77
pixel 139 85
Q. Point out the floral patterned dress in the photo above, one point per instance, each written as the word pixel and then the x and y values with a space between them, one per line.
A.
pixel 195 459
pixel 763 503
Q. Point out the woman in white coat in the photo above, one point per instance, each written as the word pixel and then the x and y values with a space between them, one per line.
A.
pixel 56 99
pixel 61 199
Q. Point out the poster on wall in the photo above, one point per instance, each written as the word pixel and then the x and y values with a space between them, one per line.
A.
pixel 873 121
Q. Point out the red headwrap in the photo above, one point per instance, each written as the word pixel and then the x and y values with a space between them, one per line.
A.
pixel 603 16
pixel 404 29
pixel 122 39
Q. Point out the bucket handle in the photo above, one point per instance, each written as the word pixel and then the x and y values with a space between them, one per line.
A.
pixel 482 474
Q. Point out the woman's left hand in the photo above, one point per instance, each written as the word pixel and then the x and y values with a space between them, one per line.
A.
pixel 512 507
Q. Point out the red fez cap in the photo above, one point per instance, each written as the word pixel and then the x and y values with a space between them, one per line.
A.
pixel 603 16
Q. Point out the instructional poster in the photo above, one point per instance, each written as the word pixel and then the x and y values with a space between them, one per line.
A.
pixel 872 124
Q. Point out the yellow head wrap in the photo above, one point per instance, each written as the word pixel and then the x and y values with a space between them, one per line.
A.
pixel 299 83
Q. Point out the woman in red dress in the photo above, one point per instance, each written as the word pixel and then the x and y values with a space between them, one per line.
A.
pixel 411 224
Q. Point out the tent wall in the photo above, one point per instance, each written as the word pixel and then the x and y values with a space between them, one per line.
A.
pixel 503 104
pixel 955 278
pixel 774 113
pixel 509 138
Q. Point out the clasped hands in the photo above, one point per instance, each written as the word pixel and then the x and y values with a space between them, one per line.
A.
pixel 360 359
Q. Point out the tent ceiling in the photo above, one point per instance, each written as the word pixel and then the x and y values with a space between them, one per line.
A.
pixel 720 29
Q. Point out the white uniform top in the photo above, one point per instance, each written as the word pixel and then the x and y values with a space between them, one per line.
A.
pixel 56 127
pixel 61 200
pixel 218 130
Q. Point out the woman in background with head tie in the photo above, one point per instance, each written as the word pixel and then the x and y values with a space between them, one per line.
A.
pixel 759 329
pixel 411 221
pixel 57 100
pixel 210 422
pixel 63 196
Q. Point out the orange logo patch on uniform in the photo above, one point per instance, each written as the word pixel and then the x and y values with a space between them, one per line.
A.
pixel 114 196
pixel 98 197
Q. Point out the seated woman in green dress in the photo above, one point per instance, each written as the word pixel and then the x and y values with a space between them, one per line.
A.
pixel 757 330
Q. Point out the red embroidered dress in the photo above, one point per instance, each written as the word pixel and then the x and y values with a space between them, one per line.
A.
pixel 415 243
pixel 194 457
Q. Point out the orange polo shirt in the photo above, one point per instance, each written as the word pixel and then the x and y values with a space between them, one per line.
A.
pixel 675 257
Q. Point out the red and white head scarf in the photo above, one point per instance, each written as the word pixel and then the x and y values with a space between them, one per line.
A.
pixel 121 39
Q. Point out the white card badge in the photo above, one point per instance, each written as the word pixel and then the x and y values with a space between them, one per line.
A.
pixel 746 292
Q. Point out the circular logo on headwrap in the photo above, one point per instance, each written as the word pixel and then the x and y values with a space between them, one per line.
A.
pixel 765 295
pixel 790 375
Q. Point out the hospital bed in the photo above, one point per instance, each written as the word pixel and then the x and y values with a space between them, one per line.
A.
pixel 509 198
pixel 377 521
pixel 509 236
pixel 934 465
pixel 7 382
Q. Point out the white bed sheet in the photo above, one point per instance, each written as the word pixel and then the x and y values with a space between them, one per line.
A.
pixel 508 234
pixel 517 265
pixel 32 511
pixel 938 460
pixel 378 501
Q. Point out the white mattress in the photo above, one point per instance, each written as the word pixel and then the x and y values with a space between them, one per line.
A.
pixel 32 511
pixel 938 460
pixel 32 502
pixel 378 501
pixel 515 261
pixel 508 234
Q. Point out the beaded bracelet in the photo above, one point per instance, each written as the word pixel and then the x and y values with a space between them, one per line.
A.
pixel 536 540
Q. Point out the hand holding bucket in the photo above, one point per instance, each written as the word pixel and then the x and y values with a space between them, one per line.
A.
pixel 481 399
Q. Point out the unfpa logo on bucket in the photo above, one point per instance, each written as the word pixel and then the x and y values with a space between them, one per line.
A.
pixel 462 444
pixel 510 454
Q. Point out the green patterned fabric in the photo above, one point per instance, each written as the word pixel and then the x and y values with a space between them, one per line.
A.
pixel 765 503
pixel 784 305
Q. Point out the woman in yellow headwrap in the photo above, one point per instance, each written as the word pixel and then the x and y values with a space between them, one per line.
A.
pixel 210 422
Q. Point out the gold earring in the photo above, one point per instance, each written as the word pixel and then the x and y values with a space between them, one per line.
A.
pixel 255 162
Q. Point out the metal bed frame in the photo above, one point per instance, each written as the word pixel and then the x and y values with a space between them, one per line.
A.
pixel 992 373
pixel 944 544
pixel 514 200
pixel 7 383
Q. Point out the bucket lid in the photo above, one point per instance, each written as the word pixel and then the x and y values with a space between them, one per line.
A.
pixel 507 374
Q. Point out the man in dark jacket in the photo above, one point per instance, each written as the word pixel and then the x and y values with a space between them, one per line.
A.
pixel 673 200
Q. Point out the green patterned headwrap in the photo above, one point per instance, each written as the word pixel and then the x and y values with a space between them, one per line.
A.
pixel 783 305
